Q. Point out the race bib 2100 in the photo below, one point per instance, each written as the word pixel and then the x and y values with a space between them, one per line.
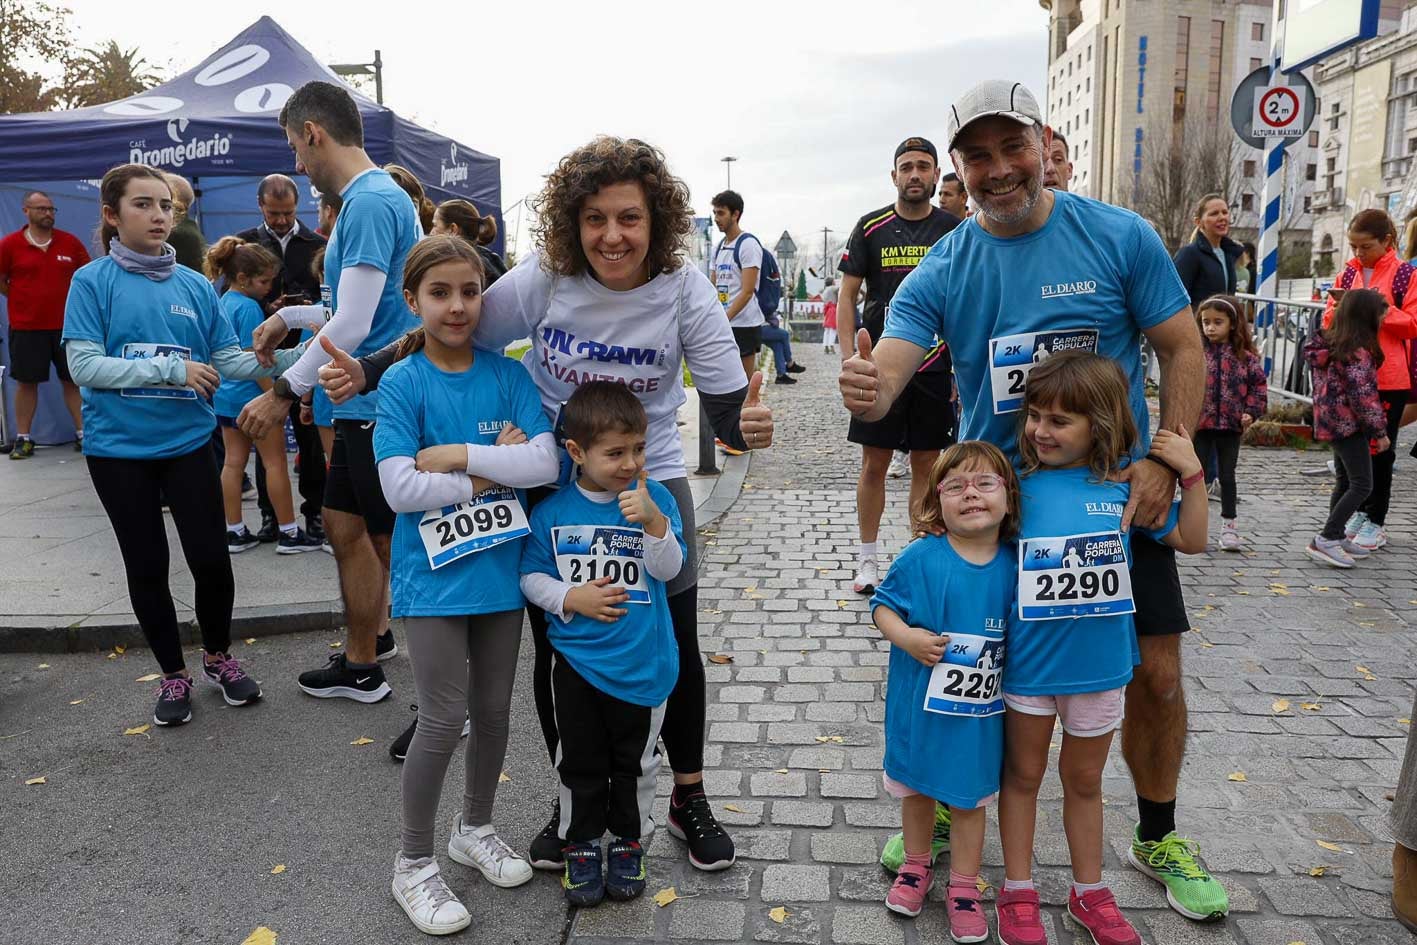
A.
pixel 586 553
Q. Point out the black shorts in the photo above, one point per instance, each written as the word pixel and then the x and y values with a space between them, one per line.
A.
pixel 33 351
pixel 922 418
pixel 1156 589
pixel 750 340
pixel 352 484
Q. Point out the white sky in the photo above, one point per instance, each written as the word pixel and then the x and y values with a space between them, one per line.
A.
pixel 812 98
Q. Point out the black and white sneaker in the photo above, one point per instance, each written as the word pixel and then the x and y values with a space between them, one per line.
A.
pixel 399 749
pixel 270 531
pixel 337 681
pixel 174 702
pixel 248 488
pixel 547 848
pixel 297 544
pixel 315 526
pixel 226 674
pixel 237 542
pixel 384 646
pixel 692 820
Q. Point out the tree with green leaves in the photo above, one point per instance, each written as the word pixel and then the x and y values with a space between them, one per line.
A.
pixel 801 292
pixel 30 32
pixel 105 74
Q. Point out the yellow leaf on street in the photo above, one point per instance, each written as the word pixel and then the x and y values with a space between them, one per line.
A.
pixel 1359 603
pixel 1208 646
pixel 841 605
pixel 720 658
pixel 780 771
pixel 1404 721
pixel 1281 589
pixel 75 701
pixel 830 738
pixel 982 885
pixel 39 780
pixel 362 741
pixel 113 656
pixel 137 730
pixel 1319 587
pixel 249 641
pixel 149 677
pixel 665 896
pixel 1332 847
pixel 734 808
pixel 1310 706
pixel 337 644
pixel 278 869
pixel 1317 870
pixel 504 778
pixel 42 666
pixel 1243 593
pixel 262 936
pixel 1364 670
pixel 1280 705
pixel 713 611
pixel 778 915
pixel 120 650
pixel 1237 776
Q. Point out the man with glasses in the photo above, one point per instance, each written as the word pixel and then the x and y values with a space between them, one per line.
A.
pixel 37 263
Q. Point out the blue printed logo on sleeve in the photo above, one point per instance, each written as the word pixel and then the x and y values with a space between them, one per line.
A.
pixel 966 680
pixel 1074 576
pixel 586 553
pixel 1012 357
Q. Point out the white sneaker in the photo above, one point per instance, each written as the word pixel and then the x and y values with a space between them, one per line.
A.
pixel 1328 552
pixel 483 850
pixel 419 888
pixel 866 577
pixel 1371 536
pixel 900 465
pixel 1229 536
pixel 1356 521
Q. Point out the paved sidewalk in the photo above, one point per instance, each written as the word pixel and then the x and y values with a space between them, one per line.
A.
pixel 795 720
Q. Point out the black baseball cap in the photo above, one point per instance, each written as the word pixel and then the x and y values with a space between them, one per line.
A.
pixel 917 143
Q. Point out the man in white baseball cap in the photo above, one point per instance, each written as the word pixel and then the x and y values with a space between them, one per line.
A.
pixel 1040 267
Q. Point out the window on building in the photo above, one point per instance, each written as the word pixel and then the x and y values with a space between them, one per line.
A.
pixel 1087 86
pixel 1396 144
pixel 1070 98
pixel 1247 202
pixel 1311 172
pixel 1330 165
pixel 1249 168
pixel 1183 65
pixel 1217 56
pixel 1257 32
pixel 1308 202
pixel 1313 139
pixel 1089 54
pixel 1255 63
pixel 1070 67
pixel 1087 116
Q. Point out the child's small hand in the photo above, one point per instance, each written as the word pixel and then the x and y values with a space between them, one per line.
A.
pixel 510 436
pixel 639 509
pixel 927 647
pixel 1176 451
pixel 1245 421
pixel 450 457
pixel 597 600
pixel 1382 444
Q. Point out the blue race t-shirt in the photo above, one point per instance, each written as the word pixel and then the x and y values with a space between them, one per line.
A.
pixel 245 315
pixel 1073 629
pixel 576 540
pixel 1093 277
pixel 131 317
pixel 954 750
pixel 422 406
pixel 377 227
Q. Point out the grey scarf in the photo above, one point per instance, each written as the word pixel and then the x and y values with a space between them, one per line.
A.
pixel 156 268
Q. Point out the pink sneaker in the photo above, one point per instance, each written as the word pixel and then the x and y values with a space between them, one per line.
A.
pixel 1099 914
pixel 967 922
pixel 907 895
pixel 1020 918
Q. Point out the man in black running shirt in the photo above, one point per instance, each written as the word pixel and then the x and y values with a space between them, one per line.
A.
pixel 884 247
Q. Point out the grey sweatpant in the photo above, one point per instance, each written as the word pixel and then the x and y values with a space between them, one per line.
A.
pixel 463 667
pixel 1404 799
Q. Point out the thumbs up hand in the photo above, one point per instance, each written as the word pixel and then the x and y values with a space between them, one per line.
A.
pixel 859 379
pixel 639 509
pixel 755 419
pixel 343 377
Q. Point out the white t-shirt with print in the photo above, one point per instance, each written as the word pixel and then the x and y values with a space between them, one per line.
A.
pixel 582 331
pixel 728 277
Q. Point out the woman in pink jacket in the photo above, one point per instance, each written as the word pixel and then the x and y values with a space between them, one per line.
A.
pixel 1375 265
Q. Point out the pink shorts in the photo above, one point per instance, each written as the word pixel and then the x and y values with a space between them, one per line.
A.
pixel 899 791
pixel 1084 715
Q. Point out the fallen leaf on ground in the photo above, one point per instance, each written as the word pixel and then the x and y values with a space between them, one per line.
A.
pixel 503 778
pixel 734 808
pixel 720 658
pixel 780 771
pixel 841 605
pixel 1243 593
pixel 1320 587
pixel 778 915
pixel 337 644
pixel 1208 646
pixel 1359 603
pixel 262 936
pixel 75 701
pixel 1280 705
pixel 120 650
pixel 665 896
pixel 249 641
pixel 42 666
pixel 362 741
pixel 1237 776
pixel 982 885
pixel 831 738
pixel 1280 589
pixel 1310 706
pixel 713 611
pixel 1317 870
pixel 113 656
pixel 149 677
pixel 278 869
pixel 1363 669
pixel 1404 721
pixel 39 780
pixel 1333 847
pixel 137 729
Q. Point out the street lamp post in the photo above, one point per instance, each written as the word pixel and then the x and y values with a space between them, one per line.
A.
pixel 728 168
pixel 375 68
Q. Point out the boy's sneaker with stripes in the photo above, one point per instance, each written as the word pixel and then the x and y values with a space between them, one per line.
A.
pixel 625 870
pixel 583 880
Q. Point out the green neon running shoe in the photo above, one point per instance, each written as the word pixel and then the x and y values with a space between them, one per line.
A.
pixel 1172 862
pixel 893 856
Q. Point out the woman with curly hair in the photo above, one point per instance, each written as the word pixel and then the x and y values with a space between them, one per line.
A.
pixel 608 296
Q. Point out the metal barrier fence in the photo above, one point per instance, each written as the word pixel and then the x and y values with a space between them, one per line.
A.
pixel 1281 329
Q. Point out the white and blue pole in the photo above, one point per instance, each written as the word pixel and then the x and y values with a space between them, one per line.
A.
pixel 1273 192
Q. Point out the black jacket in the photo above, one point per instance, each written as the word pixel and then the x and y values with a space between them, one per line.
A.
pixel 1200 271
pixel 295 275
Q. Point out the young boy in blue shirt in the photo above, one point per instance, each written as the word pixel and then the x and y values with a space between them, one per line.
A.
pixel 596 561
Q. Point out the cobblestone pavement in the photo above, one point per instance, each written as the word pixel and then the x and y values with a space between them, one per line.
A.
pixel 1300 688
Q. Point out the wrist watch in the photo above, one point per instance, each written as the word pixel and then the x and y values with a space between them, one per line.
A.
pixel 281 388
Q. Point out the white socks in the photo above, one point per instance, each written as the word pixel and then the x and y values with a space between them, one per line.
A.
pixel 868 551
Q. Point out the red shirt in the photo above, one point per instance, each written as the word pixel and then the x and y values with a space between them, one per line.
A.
pixel 39 278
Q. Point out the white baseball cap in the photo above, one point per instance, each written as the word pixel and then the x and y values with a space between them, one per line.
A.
pixel 993 97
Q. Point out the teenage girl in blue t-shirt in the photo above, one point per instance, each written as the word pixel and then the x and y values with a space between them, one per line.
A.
pixel 147 343
pixel 459 430
pixel 1072 643
pixel 249 269
pixel 943 606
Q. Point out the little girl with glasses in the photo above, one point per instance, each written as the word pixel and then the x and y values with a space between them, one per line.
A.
pixel 943 607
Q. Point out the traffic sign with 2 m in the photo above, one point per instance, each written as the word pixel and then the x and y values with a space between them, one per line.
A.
pixel 1279 112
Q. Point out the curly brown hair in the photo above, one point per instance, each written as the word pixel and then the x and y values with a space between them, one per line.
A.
pixel 585 171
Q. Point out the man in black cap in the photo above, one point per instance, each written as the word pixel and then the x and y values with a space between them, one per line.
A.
pixel 883 249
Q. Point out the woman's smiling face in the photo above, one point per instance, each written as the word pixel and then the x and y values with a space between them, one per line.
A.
pixel 615 234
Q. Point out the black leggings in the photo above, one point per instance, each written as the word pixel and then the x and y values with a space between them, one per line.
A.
pixel 1224 446
pixel 1393 401
pixel 1353 481
pixel 132 491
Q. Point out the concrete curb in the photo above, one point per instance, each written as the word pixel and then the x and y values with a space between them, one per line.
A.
pixel 76 633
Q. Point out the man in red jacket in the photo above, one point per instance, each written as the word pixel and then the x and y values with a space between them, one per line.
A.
pixel 36 264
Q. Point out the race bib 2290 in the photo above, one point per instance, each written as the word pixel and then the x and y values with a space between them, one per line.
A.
pixel 1073 576
pixel 1012 357
pixel 966 680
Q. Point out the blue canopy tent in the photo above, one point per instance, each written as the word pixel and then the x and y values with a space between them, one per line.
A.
pixel 216 125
